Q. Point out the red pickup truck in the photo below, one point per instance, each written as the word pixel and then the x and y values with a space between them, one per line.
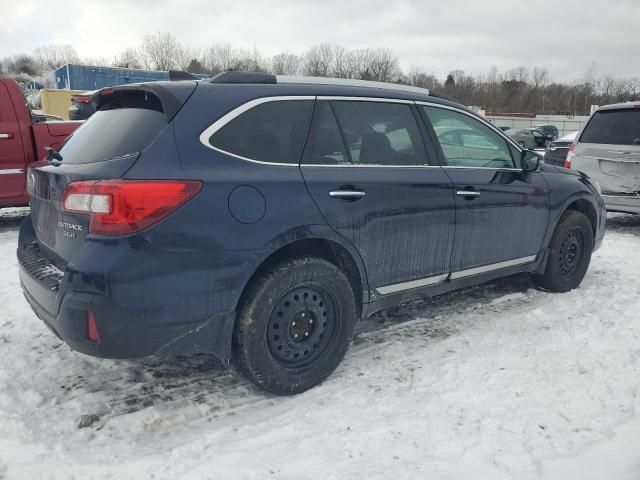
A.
pixel 22 141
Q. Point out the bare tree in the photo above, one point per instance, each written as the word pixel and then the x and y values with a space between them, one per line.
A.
pixel 129 58
pixel 50 57
pixel 286 64
pixel 161 51
pixel 319 61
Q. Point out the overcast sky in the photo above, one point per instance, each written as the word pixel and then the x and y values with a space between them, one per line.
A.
pixel 439 36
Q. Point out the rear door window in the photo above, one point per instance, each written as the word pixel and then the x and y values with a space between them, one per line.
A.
pixel 380 133
pixel 617 127
pixel 273 131
pixel 125 125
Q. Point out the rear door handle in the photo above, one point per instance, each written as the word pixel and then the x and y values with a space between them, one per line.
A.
pixel 6 136
pixel 347 194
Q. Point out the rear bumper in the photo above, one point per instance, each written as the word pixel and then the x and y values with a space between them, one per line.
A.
pixel 622 203
pixel 170 305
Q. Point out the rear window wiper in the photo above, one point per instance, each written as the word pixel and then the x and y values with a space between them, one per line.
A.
pixel 53 156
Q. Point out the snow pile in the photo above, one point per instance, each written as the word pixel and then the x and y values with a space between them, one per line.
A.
pixel 500 381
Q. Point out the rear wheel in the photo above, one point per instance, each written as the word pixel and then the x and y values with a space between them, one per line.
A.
pixel 294 325
pixel 569 253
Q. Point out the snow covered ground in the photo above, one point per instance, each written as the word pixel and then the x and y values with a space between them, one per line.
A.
pixel 500 381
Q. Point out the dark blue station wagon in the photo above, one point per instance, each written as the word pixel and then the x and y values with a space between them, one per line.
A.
pixel 258 218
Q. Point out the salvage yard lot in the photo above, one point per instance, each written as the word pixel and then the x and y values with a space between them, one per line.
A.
pixel 496 381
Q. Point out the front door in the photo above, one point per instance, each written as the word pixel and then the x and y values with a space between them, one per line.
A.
pixel 368 171
pixel 501 211
pixel 12 159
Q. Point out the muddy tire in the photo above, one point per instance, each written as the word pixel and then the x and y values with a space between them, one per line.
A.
pixel 569 253
pixel 294 325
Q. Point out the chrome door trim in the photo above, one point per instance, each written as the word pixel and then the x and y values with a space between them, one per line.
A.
pixel 468 193
pixel 491 267
pixel 421 282
pixel 11 171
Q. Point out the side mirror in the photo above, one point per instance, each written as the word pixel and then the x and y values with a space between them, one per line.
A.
pixel 530 161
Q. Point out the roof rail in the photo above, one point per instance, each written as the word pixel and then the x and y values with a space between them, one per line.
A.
pixel 351 82
pixel 243 77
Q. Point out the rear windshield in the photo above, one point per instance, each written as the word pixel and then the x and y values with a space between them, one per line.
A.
pixel 617 127
pixel 124 125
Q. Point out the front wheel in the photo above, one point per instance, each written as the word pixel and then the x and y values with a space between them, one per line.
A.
pixel 294 325
pixel 569 253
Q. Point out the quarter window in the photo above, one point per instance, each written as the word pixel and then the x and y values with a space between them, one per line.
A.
pixel 466 142
pixel 380 133
pixel 270 132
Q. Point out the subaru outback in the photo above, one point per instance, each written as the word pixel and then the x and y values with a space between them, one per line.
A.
pixel 257 218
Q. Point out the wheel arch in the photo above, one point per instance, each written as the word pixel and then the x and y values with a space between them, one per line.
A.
pixel 328 249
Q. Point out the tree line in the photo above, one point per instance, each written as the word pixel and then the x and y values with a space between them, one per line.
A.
pixel 518 90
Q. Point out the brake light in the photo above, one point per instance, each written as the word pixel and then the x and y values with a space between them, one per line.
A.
pixel 82 98
pixel 121 207
pixel 569 159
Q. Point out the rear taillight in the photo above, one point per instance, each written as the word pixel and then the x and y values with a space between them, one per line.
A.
pixel 121 207
pixel 569 159
pixel 81 98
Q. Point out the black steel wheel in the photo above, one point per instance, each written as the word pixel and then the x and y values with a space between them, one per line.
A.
pixel 301 326
pixel 294 325
pixel 569 253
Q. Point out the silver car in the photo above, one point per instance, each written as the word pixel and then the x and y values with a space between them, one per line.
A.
pixel 608 150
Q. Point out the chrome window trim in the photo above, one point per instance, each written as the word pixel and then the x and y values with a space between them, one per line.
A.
pixel 236 112
pixel 421 282
pixel 491 267
pixel 480 119
pixel 11 171
pixel 365 99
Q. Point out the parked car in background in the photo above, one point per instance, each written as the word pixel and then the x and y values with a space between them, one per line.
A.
pixel 551 131
pixel 608 150
pixel 556 152
pixel 23 139
pixel 530 138
pixel 82 105
pixel 284 209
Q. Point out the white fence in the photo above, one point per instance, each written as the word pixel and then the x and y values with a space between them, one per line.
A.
pixel 565 124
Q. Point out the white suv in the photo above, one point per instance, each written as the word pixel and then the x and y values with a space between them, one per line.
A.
pixel 608 150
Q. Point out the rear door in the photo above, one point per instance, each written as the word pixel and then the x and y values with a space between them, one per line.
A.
pixel 609 150
pixel 12 157
pixel 367 169
pixel 501 211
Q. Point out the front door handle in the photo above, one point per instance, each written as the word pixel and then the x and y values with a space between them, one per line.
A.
pixel 6 136
pixel 468 193
pixel 347 194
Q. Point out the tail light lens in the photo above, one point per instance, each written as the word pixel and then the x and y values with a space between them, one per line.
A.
pixel 122 207
pixel 569 159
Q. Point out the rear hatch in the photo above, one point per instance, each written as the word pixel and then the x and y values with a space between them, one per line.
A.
pixel 106 146
pixel 610 143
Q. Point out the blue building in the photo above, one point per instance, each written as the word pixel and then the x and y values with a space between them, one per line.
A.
pixel 87 77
